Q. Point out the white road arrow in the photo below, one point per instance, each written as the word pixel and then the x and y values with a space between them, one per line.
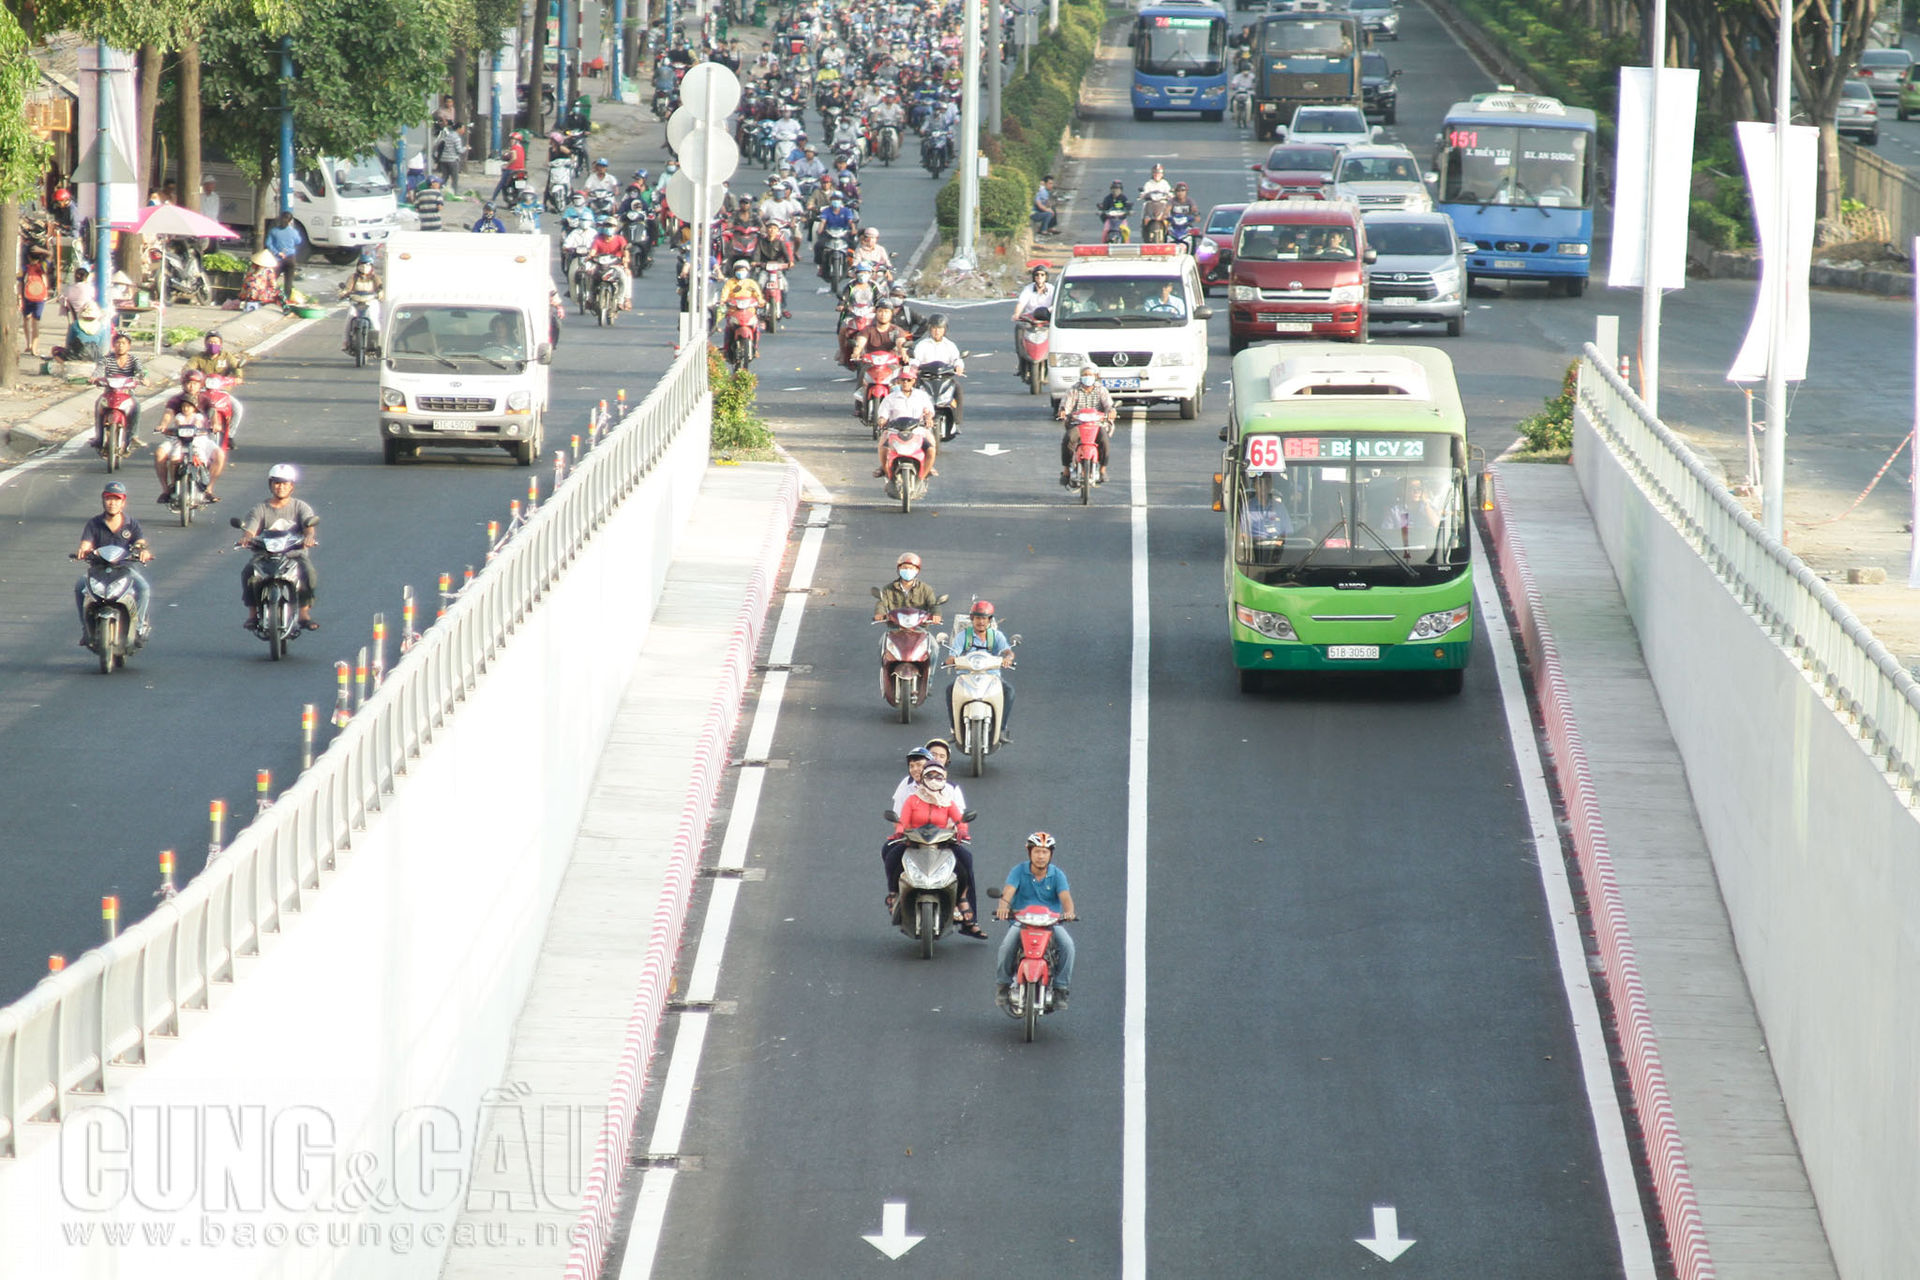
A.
pixel 1386 1243
pixel 993 451
pixel 893 1239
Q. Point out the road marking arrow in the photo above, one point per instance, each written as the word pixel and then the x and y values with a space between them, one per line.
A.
pixel 993 451
pixel 893 1239
pixel 1386 1243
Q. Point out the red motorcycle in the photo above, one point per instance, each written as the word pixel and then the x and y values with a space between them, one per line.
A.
pixel 1033 337
pixel 906 659
pixel 878 372
pixel 1084 472
pixel 1031 997
pixel 225 407
pixel 773 283
pixel 906 464
pixel 743 332
pixel 113 438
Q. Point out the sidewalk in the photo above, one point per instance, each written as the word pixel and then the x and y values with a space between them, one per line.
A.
pixel 1755 1204
pixel 575 1041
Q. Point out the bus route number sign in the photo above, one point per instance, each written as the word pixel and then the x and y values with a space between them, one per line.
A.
pixel 1463 139
pixel 1264 453
pixel 1273 453
pixel 1182 22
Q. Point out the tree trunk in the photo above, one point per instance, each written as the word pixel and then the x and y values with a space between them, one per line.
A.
pixel 149 103
pixel 190 124
pixel 1829 170
pixel 9 288
pixel 463 100
pixel 537 78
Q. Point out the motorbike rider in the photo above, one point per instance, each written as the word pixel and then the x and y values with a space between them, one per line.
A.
pixel 741 286
pixel 610 243
pixel 907 591
pixel 513 163
pixel 282 511
pixel 1087 393
pixel 113 525
pixel 937 347
pixel 782 204
pixel 1115 204
pixel 1240 84
pixel 1182 206
pixel 808 168
pixel 602 182
pixel 1157 185
pixel 907 400
pixel 363 288
pixel 216 361
pixel 1035 882
pixel 931 803
pixel 835 217
pixel 487 221
pixel 871 251
pixel 786 130
pixel 576 215
pixel 119 362
pixel 190 405
pixel 1038 293
pixel 984 635
pixel 882 335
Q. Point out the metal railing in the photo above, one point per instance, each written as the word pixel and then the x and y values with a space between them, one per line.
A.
pixel 101 1010
pixel 1868 685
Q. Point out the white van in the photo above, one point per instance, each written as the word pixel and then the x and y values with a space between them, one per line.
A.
pixel 340 206
pixel 1137 312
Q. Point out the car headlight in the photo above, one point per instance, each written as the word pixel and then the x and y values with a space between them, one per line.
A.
pixel 1242 293
pixel 1446 281
pixel 1209 244
pixel 1066 360
pixel 1573 250
pixel 519 401
pixel 1431 626
pixel 1272 625
pixel 392 398
pixel 1347 293
pixel 1174 358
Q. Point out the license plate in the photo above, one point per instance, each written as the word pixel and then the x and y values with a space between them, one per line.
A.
pixel 1123 384
pixel 1350 651
pixel 1509 264
pixel 1293 326
pixel 452 424
pixel 1396 302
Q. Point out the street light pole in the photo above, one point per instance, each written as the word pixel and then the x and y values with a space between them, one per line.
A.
pixel 103 182
pixel 994 20
pixel 1649 282
pixel 1773 508
pixel 967 145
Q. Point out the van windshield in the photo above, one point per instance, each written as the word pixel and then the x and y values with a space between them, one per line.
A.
pixel 1294 242
pixel 1105 301
pixel 425 338
pixel 364 176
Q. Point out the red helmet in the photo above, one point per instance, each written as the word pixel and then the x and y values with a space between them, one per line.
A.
pixel 982 609
pixel 61 193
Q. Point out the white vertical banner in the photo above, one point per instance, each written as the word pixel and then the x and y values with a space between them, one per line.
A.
pixel 1782 267
pixel 1665 152
pixel 124 197
pixel 1913 443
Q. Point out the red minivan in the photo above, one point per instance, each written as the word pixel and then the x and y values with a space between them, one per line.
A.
pixel 1299 270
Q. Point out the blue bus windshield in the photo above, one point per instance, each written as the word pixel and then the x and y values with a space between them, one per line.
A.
pixel 1169 45
pixel 1523 165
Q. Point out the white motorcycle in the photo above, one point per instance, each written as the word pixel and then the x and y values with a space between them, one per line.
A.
pixel 977 703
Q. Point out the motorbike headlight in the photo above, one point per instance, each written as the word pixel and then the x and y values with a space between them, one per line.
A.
pixel 1242 293
pixel 393 398
pixel 519 401
pixel 1347 293
pixel 117 589
pixel 1173 358
pixel 1573 249
pixel 1434 625
pixel 1274 626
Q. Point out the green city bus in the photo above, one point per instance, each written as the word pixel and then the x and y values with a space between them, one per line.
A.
pixel 1344 484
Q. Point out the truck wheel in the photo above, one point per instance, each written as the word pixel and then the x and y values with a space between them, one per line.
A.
pixel 393 451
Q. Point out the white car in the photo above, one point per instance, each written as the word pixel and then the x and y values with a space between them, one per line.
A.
pixel 1381 177
pixel 1857 114
pixel 1882 70
pixel 1331 127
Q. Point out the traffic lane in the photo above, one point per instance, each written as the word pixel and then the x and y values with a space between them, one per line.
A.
pixel 853 1071
pixel 91 802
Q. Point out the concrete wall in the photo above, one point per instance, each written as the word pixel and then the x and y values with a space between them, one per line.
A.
pixel 1819 864
pixel 353 1055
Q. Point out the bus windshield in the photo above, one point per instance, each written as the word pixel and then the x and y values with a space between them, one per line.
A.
pixel 1515 165
pixel 1171 45
pixel 1327 510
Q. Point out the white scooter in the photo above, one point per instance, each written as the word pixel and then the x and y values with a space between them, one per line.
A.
pixel 977 703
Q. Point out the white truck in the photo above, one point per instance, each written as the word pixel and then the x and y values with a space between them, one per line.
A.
pixel 465 343
pixel 342 207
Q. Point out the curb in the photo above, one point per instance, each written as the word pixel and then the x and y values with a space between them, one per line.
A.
pixel 592 1231
pixel 1673 1183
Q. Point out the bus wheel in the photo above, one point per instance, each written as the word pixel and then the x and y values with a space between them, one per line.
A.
pixel 1446 683
pixel 1142 113
pixel 1576 286
pixel 1253 681
pixel 1213 117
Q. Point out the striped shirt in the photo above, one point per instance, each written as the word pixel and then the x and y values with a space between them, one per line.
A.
pixel 428 202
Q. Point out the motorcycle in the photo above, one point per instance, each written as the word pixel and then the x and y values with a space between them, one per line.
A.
pixel 878 372
pixel 191 472
pixel 638 229
pixel 362 341
pixel 276 577
pixel 114 413
pixel 743 332
pixel 1153 222
pixel 606 287
pixel 225 406
pixel 936 152
pixel 186 280
pixel 1084 471
pixel 928 903
pixel 977 706
pixel 110 606
pixel 1180 228
pixel 1114 229
pixel 1243 109
pixel 773 283
pixel 1032 341
pixel 906 659
pixel 1031 997
pixel 888 146
pixel 835 257
pixel 938 381
pixel 906 464
pixel 559 182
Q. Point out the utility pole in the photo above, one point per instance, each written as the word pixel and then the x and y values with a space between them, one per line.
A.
pixel 967 146
pixel 1649 282
pixel 286 124
pixel 1773 507
pixel 562 84
pixel 994 21
pixel 102 201
pixel 619 50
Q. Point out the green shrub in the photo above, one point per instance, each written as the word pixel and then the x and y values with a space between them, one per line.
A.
pixel 736 427
pixel 1551 429
pixel 1005 200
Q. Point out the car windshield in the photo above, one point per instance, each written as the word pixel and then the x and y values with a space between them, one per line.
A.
pixel 1329 37
pixel 1301 159
pixel 446 337
pixel 1330 514
pixel 1885 58
pixel 1854 89
pixel 1223 221
pixel 1373 8
pixel 1374 64
pixel 1294 242
pixel 364 176
pixel 1379 169
pixel 1341 120
pixel 1409 239
pixel 1106 301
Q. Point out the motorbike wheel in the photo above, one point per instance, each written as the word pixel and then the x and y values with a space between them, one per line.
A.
pixel 1030 1013
pixel 929 914
pixel 360 346
pixel 106 637
pixel 186 494
pixel 1087 474
pixel 979 753
pixel 1036 376
pixel 277 625
pixel 904 482
pixel 903 694
pixel 115 439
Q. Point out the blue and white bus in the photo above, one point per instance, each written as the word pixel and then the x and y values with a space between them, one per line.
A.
pixel 1516 173
pixel 1180 59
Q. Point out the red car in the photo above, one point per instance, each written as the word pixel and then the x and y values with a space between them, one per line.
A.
pixel 1215 252
pixel 1296 171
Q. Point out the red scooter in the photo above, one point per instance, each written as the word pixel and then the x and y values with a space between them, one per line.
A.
pixel 1031 997
pixel 906 659
pixel 114 413
pixel 773 283
pixel 906 464
pixel 743 332
pixel 1084 472
pixel 1033 337
pixel 225 406
pixel 878 370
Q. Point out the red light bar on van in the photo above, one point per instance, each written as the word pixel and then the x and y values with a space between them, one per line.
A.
pixel 1126 250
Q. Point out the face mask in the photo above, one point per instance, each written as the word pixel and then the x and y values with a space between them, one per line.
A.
pixel 1086 382
pixel 908 573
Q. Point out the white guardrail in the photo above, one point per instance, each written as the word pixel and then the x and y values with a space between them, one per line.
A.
pixel 1868 685
pixel 100 1011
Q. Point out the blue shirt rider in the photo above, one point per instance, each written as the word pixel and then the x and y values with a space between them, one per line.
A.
pixel 984 636
pixel 487 221
pixel 1035 882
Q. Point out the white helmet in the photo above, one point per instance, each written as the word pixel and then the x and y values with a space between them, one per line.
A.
pixel 284 471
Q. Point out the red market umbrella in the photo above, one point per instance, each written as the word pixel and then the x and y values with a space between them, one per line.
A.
pixel 171 220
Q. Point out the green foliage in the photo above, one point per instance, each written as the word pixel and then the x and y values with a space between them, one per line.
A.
pixel 23 156
pixel 1550 431
pixel 736 427
pixel 225 263
pixel 1568 60
pixel 1720 211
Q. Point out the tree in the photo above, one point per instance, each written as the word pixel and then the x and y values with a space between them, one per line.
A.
pixel 23 162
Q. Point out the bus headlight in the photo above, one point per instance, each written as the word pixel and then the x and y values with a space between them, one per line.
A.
pixel 1272 625
pixel 1347 293
pixel 1573 250
pixel 1433 625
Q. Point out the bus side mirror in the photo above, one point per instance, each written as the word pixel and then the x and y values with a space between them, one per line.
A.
pixel 1219 491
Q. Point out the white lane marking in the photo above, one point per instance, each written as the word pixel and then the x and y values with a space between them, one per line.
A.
pixel 1133 1134
pixel 683 1069
pixel 893 1239
pixel 1616 1162
pixel 1386 1242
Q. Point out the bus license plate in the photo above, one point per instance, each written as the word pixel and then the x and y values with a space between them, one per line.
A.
pixel 452 424
pixel 1509 264
pixel 1123 384
pixel 1369 652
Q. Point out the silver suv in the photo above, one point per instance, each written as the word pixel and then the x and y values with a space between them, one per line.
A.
pixel 1420 273
pixel 1381 177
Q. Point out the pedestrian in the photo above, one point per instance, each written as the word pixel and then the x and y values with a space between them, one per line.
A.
pixel 444 116
pixel 34 289
pixel 430 203
pixel 283 242
pixel 449 153
pixel 209 208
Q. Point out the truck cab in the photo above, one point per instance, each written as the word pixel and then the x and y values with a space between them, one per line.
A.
pixel 1138 314
pixel 341 206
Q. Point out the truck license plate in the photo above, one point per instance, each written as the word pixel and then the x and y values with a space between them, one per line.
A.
pixel 1123 384
pixel 452 424
pixel 1509 264
pixel 1370 652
